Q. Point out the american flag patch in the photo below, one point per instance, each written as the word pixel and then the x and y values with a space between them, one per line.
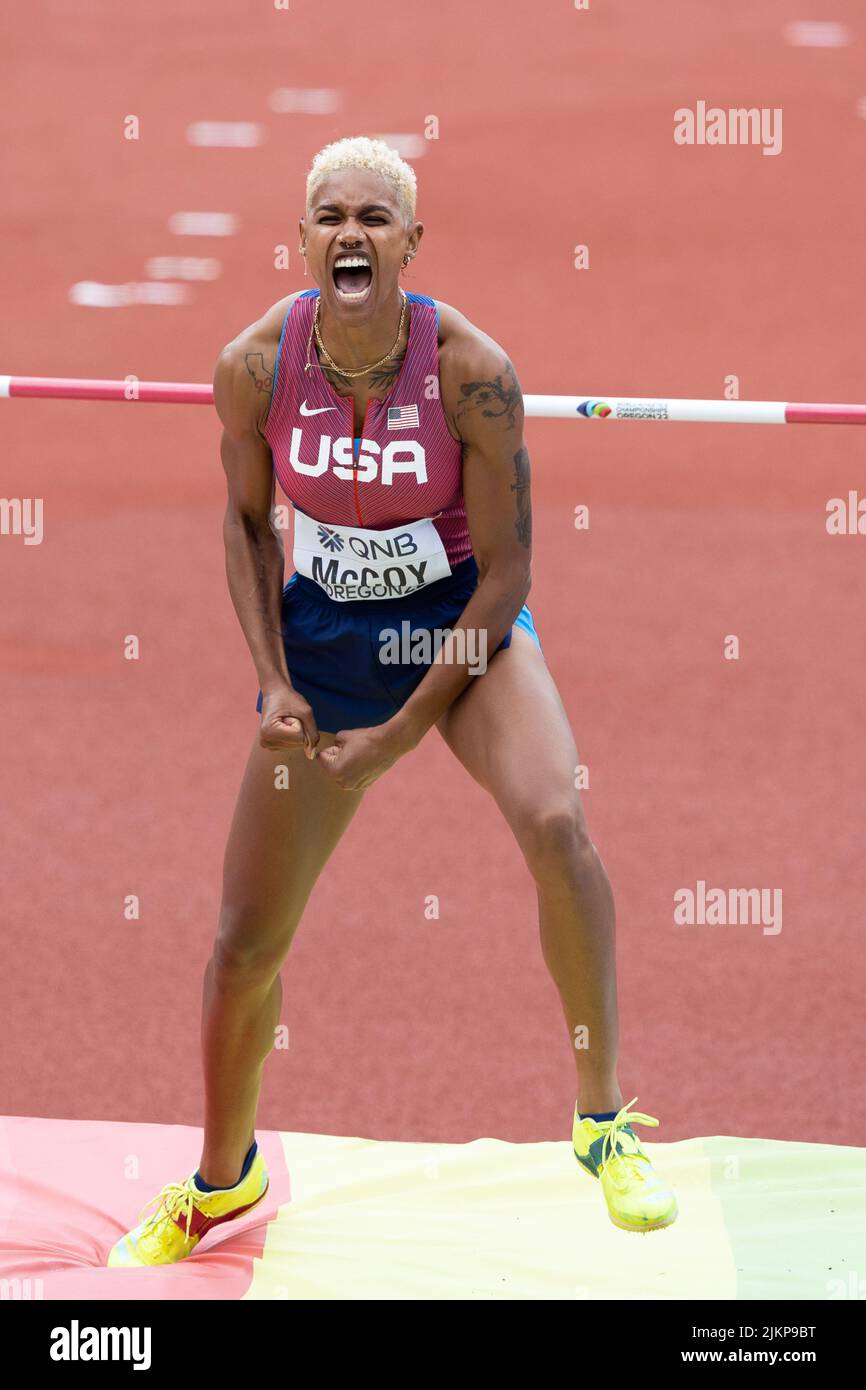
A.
pixel 402 417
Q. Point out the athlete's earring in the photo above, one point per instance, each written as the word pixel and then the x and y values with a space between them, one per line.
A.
pixel 304 254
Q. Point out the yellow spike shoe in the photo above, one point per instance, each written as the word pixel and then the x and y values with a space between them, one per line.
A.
pixel 183 1215
pixel 637 1198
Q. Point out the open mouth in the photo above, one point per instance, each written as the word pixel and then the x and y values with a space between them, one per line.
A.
pixel 353 276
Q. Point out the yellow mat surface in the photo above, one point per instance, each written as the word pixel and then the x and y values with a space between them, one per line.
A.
pixel 492 1220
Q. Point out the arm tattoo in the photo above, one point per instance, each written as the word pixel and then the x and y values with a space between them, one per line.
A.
pixel 261 551
pixel 261 373
pixel 520 488
pixel 496 398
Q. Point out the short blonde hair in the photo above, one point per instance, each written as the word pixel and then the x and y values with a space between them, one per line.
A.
pixel 360 152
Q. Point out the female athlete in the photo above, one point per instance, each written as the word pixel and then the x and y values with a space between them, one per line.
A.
pixel 395 428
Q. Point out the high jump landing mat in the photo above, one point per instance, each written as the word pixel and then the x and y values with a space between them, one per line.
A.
pixel 351 1218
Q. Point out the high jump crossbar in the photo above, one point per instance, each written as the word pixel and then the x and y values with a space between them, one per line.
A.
pixel 719 412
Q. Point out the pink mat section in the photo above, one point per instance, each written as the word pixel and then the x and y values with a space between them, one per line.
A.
pixel 65 1198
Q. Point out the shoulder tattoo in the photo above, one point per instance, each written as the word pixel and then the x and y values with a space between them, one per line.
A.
pixel 258 369
pixel 495 399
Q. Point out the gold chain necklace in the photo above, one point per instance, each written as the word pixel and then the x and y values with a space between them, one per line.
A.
pixel 362 371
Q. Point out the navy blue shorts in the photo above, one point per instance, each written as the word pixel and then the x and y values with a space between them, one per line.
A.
pixel 336 652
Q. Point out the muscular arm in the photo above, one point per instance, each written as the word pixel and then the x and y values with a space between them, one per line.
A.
pixel 253 548
pixel 255 558
pixel 483 394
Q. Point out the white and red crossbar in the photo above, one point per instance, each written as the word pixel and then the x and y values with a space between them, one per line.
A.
pixel 718 412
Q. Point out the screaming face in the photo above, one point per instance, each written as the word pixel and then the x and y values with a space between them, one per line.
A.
pixel 356 237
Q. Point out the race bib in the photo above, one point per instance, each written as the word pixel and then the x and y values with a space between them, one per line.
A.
pixel 349 562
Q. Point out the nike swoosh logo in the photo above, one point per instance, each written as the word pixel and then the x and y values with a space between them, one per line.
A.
pixel 318 410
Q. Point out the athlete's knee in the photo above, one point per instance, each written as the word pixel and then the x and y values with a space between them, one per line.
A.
pixel 250 946
pixel 553 837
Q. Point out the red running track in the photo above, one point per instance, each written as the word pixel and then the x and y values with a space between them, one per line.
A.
pixel 555 130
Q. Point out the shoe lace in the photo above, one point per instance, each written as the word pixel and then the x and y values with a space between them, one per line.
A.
pixel 175 1197
pixel 621 1153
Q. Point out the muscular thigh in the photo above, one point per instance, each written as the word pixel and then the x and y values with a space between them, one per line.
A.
pixel 510 731
pixel 280 839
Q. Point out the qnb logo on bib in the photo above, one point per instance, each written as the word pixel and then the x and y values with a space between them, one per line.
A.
pixel 348 562
pixel 385 462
